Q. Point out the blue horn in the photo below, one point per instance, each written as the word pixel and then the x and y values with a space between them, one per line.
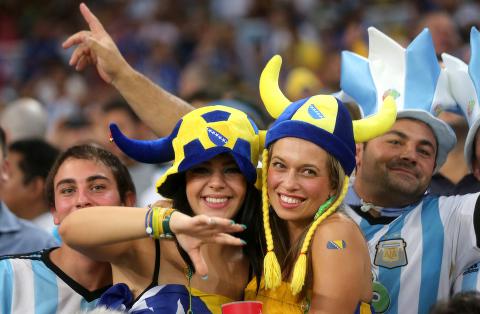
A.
pixel 152 151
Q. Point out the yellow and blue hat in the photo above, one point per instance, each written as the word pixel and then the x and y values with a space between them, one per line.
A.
pixel 199 136
pixel 320 119
pixel 326 122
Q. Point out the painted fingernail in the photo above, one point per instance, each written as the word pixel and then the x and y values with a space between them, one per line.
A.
pixel 243 226
pixel 205 277
pixel 243 242
pixel 232 222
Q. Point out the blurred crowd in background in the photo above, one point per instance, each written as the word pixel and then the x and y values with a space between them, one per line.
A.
pixel 201 50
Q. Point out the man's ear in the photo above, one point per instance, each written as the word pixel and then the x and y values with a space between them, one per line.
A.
pixel 56 220
pixel 130 199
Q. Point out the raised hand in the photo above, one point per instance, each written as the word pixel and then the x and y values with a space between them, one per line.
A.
pixel 95 47
pixel 193 232
pixel 150 101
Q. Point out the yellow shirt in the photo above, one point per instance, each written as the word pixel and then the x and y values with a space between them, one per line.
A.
pixel 281 300
pixel 212 301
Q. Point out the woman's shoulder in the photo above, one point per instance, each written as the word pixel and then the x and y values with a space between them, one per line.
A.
pixel 337 221
pixel 337 226
pixel 339 241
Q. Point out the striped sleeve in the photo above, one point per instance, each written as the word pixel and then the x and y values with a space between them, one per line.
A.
pixel 460 230
pixel 468 280
pixel 6 286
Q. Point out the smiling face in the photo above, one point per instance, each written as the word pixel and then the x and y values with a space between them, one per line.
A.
pixel 395 169
pixel 81 183
pixel 298 179
pixel 216 187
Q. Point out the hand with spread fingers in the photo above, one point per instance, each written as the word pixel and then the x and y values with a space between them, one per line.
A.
pixel 95 47
pixel 193 232
pixel 204 227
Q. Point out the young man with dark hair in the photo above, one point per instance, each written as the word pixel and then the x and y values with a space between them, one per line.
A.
pixel 62 280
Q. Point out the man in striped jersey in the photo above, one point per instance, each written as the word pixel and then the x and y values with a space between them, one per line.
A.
pixel 418 243
pixel 62 280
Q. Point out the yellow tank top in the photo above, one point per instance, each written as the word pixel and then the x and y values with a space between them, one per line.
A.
pixel 281 300
pixel 212 301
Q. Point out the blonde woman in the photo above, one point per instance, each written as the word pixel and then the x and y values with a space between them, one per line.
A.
pixel 316 259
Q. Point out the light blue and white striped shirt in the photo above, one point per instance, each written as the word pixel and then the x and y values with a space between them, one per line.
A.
pixel 31 283
pixel 417 256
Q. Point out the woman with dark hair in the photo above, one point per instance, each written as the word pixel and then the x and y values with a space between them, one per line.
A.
pixel 215 151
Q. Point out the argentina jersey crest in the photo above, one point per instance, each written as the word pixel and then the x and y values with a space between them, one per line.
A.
pixel 391 253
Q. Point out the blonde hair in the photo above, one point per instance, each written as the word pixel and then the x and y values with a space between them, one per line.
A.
pixel 272 270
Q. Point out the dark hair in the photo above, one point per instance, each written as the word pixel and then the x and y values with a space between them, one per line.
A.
pixel 122 105
pixel 249 214
pixel 463 302
pixel 37 157
pixel 95 153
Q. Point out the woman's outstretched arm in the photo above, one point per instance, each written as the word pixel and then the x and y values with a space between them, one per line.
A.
pixel 106 232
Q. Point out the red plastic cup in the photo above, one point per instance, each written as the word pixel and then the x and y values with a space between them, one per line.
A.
pixel 242 307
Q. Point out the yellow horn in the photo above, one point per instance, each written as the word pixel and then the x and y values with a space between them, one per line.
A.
pixel 377 124
pixel 273 98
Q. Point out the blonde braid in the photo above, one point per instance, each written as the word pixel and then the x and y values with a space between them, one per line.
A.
pixel 300 268
pixel 271 267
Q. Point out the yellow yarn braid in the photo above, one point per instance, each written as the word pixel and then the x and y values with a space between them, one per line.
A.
pixel 271 267
pixel 300 268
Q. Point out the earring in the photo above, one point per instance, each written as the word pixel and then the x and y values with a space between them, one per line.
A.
pixel 323 207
